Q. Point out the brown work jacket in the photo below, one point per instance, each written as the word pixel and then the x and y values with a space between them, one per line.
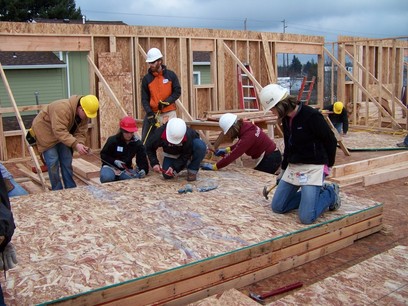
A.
pixel 52 125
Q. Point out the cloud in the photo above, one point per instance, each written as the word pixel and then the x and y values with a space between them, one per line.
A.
pixel 363 18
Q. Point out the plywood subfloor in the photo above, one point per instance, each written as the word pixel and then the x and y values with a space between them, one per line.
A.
pixel 75 240
pixel 380 280
pixel 358 140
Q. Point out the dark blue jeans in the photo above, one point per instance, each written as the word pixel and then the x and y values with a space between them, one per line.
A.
pixel 60 157
pixel 199 151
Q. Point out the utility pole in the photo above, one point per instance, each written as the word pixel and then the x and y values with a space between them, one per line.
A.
pixel 245 24
pixel 284 30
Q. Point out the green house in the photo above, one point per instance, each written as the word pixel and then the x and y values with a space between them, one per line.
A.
pixel 41 77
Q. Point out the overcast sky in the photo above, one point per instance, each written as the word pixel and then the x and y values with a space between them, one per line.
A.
pixel 363 18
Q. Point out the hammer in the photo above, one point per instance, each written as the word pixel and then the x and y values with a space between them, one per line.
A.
pixel 261 297
pixel 266 191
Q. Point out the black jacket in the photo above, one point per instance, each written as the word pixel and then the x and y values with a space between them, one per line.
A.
pixel 309 139
pixel 116 148
pixel 184 150
pixel 339 118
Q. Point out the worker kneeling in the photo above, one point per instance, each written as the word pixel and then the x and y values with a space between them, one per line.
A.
pixel 182 147
pixel 252 141
pixel 118 152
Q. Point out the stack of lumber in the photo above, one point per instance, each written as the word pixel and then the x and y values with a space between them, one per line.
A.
pixel 372 171
pixel 380 280
pixel 86 171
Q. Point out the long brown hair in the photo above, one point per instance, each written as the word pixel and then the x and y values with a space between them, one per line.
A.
pixel 286 106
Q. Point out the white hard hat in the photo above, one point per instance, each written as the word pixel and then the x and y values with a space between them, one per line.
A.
pixel 175 130
pixel 271 94
pixel 226 121
pixel 153 55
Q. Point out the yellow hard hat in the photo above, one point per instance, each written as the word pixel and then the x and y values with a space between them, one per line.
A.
pixel 90 105
pixel 338 107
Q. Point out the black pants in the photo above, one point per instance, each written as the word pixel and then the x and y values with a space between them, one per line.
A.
pixel 270 163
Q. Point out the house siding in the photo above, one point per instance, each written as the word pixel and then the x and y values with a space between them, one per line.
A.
pixel 24 83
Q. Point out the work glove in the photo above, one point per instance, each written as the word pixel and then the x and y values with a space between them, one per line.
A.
pixel 208 166
pixel 141 174
pixel 170 172
pixel 163 104
pixel 10 257
pixel 186 188
pixel 120 164
pixel 151 118
pixel 222 152
pixel 157 168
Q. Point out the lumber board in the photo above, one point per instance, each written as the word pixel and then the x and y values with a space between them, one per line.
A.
pixel 34 177
pixel 387 171
pixel 85 169
pixel 174 292
pixel 386 175
pixel 141 238
pixel 372 163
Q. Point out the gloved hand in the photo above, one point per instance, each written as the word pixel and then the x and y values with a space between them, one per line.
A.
pixel 186 188
pixel 222 152
pixel 157 168
pixel 10 257
pixel 208 166
pixel 163 104
pixel 170 172
pixel 120 164
pixel 151 118
pixel 141 174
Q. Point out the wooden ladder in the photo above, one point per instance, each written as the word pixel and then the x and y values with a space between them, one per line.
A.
pixel 304 95
pixel 246 90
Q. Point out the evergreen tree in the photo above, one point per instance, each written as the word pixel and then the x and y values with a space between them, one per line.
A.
pixel 295 67
pixel 25 10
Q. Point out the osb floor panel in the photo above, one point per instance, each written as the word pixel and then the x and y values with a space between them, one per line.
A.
pixel 370 140
pixel 75 240
pixel 380 280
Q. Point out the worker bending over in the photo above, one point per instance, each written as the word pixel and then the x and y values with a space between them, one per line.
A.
pixel 338 116
pixel 252 140
pixel 182 147
pixel 60 128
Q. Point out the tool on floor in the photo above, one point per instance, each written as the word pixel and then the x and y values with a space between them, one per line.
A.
pixel 266 191
pixel 261 297
pixel 207 185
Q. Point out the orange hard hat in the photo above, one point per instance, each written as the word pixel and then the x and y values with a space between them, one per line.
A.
pixel 128 124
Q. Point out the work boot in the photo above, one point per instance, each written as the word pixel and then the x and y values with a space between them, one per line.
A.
pixel 337 202
pixel 191 175
pixel 402 145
